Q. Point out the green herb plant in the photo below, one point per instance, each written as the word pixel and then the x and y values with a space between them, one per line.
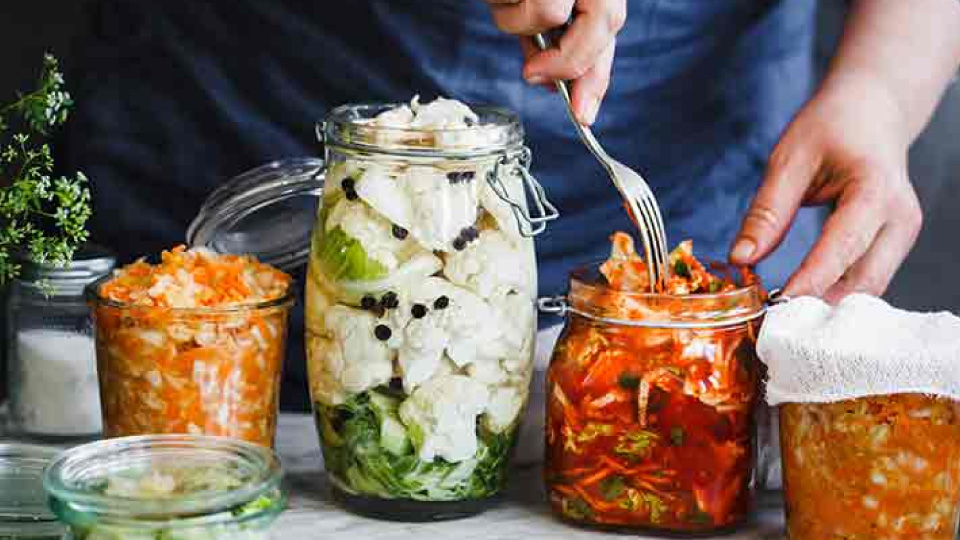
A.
pixel 41 216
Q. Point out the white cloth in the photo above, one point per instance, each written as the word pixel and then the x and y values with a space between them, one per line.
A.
pixel 817 353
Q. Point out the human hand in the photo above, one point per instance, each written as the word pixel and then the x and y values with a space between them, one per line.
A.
pixel 847 146
pixel 583 55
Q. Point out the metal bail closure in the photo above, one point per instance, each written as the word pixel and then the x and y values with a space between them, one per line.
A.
pixel 530 225
pixel 553 305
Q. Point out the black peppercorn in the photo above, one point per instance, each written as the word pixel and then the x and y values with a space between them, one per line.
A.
pixel 467 176
pixel 368 302
pixel 382 332
pixel 348 184
pixel 470 234
pixel 418 311
pixel 441 303
pixel 459 243
pixel 389 300
pixel 399 232
pixel 351 194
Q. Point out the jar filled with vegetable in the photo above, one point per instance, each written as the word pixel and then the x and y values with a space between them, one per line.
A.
pixel 421 305
pixel 166 487
pixel 651 396
pixel 52 366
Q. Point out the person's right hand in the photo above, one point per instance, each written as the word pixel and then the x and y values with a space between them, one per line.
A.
pixel 584 55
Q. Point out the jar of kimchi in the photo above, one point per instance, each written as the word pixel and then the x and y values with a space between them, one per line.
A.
pixel 872 467
pixel 650 403
pixel 421 305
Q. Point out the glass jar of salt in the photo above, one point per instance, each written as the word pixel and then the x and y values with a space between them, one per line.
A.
pixel 52 369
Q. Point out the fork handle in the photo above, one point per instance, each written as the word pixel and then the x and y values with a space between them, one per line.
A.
pixel 563 87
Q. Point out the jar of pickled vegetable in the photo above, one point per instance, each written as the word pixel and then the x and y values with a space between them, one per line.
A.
pixel 166 487
pixel 420 307
pixel 651 397
pixel 872 467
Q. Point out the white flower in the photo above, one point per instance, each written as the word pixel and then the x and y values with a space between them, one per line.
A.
pixel 441 209
pixel 441 416
pixel 373 232
pixel 491 266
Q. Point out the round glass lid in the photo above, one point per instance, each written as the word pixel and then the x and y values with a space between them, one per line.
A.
pixel 267 212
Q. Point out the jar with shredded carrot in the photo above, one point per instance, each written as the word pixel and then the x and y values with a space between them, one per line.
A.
pixel 870 468
pixel 650 397
pixel 193 344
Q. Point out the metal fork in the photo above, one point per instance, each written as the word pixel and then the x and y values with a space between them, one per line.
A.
pixel 641 203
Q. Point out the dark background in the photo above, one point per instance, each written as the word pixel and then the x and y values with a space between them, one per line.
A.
pixel 928 278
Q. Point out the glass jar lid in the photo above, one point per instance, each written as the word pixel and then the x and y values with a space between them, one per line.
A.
pixel 591 296
pixel 158 479
pixel 496 130
pixel 267 212
pixel 90 262
pixel 23 504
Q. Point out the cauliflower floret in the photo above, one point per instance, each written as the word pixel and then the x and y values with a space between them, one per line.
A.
pixel 354 358
pixel 442 113
pixel 420 354
pixel 441 209
pixel 441 417
pixel 490 266
pixel 318 301
pixel 373 232
pixel 383 192
pixel 501 211
pixel 518 335
pixel 489 373
pixel 503 409
pixel 324 362
pixel 398 117
pixel 338 171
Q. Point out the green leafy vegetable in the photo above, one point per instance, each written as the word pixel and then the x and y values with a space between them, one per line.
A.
pixel 612 487
pixel 636 444
pixel 676 436
pixel 577 509
pixel 43 216
pixel 593 430
pixel 342 257
pixel 681 269
pixel 369 456
pixel 628 380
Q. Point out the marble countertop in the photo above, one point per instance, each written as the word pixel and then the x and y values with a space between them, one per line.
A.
pixel 523 513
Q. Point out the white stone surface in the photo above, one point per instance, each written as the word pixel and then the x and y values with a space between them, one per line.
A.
pixel 522 515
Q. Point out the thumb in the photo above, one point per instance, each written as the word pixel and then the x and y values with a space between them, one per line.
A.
pixel 789 174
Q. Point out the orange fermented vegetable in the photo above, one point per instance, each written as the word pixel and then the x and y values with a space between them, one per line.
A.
pixel 192 345
pixel 651 426
pixel 875 467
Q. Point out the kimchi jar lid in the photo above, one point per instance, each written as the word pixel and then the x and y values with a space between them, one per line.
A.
pixel 267 212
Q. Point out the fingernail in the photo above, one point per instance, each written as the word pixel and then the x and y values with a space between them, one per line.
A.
pixel 536 79
pixel 743 250
pixel 590 110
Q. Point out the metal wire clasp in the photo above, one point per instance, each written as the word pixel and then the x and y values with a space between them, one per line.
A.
pixel 518 164
pixel 554 305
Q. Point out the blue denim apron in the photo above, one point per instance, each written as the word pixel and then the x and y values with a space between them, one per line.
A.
pixel 176 96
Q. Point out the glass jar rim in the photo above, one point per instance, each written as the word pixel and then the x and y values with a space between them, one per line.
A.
pixel 65 479
pixel 95 299
pixel 701 310
pixel 347 126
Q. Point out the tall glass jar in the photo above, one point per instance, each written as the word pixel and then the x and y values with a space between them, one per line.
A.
pixel 650 419
pixel 421 310
pixel 52 369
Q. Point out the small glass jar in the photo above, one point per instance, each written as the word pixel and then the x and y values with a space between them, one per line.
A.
pixel 420 310
pixel 202 371
pixel 52 370
pixel 24 514
pixel 874 467
pixel 650 418
pixel 166 486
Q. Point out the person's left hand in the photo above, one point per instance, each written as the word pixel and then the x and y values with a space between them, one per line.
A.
pixel 847 146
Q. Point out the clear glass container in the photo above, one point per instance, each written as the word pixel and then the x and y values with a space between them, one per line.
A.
pixel 420 310
pixel 166 486
pixel 52 371
pixel 874 467
pixel 24 514
pixel 210 371
pixel 650 419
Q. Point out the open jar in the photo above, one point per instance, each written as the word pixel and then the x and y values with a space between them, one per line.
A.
pixel 166 486
pixel 650 418
pixel 421 310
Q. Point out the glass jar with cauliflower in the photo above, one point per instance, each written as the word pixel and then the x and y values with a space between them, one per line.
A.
pixel 873 467
pixel 420 305
pixel 193 344
pixel 650 397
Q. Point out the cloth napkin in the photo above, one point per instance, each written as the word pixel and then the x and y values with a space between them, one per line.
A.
pixel 818 353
